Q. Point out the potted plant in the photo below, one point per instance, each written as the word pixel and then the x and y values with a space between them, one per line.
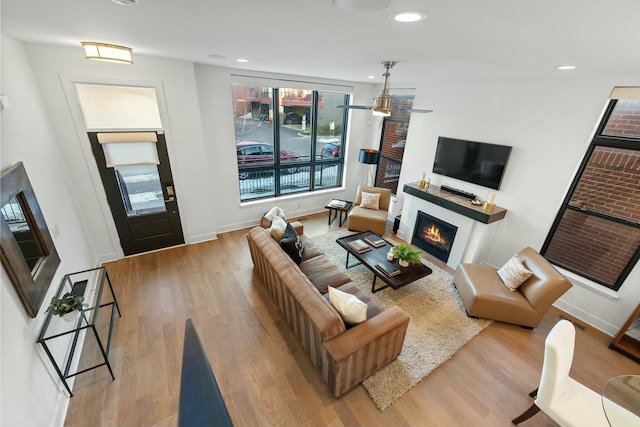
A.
pixel 67 307
pixel 407 255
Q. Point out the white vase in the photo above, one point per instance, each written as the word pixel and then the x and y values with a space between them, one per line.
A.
pixel 72 316
pixel 403 263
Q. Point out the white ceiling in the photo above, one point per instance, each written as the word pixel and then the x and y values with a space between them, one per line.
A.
pixel 469 39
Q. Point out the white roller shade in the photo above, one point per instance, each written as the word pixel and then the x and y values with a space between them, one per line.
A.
pixel 118 107
pixel 129 149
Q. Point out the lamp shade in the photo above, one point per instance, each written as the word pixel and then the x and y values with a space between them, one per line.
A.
pixel 369 156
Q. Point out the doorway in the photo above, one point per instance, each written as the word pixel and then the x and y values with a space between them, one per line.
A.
pixel 128 143
pixel 136 175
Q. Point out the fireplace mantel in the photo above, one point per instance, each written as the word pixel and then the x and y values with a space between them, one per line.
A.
pixel 476 228
pixel 455 203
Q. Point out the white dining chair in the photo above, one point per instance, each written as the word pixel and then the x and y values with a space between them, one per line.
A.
pixel 563 399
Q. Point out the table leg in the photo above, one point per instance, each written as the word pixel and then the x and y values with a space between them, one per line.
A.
pixel 347 266
pixel 373 285
pixel 333 214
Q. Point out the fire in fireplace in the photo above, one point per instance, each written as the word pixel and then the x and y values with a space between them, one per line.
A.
pixel 434 235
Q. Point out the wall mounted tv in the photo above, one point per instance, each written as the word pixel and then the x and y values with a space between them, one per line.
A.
pixel 476 162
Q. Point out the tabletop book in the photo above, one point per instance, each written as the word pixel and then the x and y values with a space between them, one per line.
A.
pixel 375 241
pixel 359 246
pixel 388 270
pixel 334 203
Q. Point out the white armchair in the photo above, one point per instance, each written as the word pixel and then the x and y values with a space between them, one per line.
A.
pixel 565 400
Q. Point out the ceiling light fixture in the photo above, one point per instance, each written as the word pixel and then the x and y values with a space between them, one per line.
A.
pixel 107 52
pixel 242 60
pixel 567 67
pixel 126 2
pixel 382 106
pixel 408 16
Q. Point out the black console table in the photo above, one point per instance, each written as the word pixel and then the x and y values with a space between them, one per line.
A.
pixel 91 284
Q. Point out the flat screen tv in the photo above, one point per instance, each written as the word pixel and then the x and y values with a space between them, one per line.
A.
pixel 476 162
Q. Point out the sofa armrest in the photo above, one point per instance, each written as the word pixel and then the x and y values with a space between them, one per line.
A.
pixel 297 225
pixel 360 351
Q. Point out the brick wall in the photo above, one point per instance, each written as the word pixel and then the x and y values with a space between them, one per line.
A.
pixel 625 119
pixel 395 133
pixel 610 185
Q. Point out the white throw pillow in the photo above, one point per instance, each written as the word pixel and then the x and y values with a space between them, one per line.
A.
pixel 350 308
pixel 277 228
pixel 514 273
pixel 370 201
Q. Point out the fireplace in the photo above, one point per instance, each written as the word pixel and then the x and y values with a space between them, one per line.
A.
pixel 434 235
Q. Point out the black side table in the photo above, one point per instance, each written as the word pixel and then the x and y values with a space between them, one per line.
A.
pixel 337 206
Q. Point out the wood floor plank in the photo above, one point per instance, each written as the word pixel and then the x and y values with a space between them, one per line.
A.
pixel 265 376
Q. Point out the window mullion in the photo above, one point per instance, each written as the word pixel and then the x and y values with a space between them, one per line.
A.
pixel 276 141
pixel 604 216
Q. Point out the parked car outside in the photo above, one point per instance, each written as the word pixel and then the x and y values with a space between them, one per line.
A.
pixel 331 150
pixel 261 153
pixel 292 119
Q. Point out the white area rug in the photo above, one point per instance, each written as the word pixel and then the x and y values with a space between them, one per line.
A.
pixel 438 328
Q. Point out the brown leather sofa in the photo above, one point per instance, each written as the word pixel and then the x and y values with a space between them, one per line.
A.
pixel 485 295
pixel 362 219
pixel 343 356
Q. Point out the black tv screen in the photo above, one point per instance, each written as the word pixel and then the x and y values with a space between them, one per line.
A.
pixel 476 162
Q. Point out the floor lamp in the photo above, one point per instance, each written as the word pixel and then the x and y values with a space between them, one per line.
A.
pixel 369 157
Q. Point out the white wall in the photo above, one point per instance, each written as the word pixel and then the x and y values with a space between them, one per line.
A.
pixel 200 141
pixel 31 392
pixel 549 123
pixel 214 90
pixel 54 65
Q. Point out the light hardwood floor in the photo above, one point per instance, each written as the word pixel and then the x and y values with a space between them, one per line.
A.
pixel 265 376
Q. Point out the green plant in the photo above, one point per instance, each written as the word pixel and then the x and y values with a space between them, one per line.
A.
pixel 66 304
pixel 407 253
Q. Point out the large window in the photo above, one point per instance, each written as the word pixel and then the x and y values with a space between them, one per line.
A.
pixel 302 125
pixel 596 234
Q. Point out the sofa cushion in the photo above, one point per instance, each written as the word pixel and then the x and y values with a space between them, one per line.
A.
pixel 514 273
pixel 350 308
pixel 292 244
pixel 310 249
pixel 323 273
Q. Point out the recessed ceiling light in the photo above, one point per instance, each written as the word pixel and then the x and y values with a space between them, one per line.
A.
pixel 126 2
pixel 242 60
pixel 371 77
pixel 567 67
pixel 408 16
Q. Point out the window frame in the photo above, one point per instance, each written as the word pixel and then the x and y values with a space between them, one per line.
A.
pixel 278 169
pixel 599 140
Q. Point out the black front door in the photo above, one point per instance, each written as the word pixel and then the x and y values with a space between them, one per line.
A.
pixel 136 175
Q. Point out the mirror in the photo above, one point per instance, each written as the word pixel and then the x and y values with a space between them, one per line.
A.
pixel 27 250
pixel 25 234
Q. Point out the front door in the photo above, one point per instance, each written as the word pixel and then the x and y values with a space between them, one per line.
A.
pixel 136 175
